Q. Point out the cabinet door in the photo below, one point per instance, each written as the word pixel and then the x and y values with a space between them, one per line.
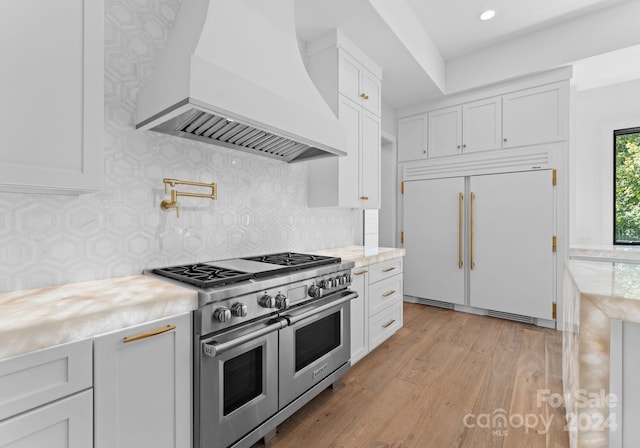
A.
pixel 445 128
pixel 534 116
pixel 370 161
pixel 350 115
pixel 359 314
pixel 412 138
pixel 513 225
pixel 370 86
pixel 482 125
pixel 433 239
pixel 142 385
pixel 349 76
pixel 66 423
pixel 51 85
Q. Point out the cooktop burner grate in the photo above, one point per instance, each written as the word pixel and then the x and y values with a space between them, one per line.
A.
pixel 203 275
pixel 296 260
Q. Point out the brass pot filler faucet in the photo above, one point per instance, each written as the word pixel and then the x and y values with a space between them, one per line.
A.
pixel 167 205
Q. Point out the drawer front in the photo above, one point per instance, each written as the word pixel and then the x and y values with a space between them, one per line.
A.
pixel 67 423
pixel 384 293
pixel 384 324
pixel 36 378
pixel 384 269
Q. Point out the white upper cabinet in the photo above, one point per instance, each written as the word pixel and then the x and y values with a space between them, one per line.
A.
pixel 357 83
pixel 412 138
pixel 525 117
pixel 468 128
pixel 481 125
pixel 351 87
pixel 534 116
pixel 51 85
pixel 445 132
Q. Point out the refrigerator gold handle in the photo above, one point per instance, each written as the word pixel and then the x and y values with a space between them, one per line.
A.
pixel 473 199
pixel 460 199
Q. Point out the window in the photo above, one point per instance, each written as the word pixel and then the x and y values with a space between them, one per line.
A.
pixel 626 191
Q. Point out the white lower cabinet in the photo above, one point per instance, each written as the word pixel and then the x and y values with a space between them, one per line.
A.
pixel 377 313
pixel 359 314
pixel 46 398
pixel 66 423
pixel 142 385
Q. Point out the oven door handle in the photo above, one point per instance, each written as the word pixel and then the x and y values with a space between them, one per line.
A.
pixel 315 310
pixel 213 349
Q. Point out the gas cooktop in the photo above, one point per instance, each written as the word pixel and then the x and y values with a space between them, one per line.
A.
pixel 225 272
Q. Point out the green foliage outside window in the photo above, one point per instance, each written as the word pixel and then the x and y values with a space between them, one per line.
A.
pixel 627 186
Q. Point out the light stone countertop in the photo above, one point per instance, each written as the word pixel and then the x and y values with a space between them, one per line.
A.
pixel 39 318
pixel 361 255
pixel 605 252
pixel 596 292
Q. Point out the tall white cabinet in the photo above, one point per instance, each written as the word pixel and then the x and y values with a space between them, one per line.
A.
pixel 485 241
pixel 484 199
pixel 350 83
pixel 51 85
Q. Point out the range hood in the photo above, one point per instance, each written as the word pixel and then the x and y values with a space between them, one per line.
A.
pixel 232 75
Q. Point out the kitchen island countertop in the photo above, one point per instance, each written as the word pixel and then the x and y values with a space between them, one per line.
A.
pixel 596 293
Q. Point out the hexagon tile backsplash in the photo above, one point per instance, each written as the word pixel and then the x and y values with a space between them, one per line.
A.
pixel 261 207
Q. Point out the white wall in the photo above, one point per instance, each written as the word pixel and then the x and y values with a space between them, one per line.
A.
pixel 262 203
pixel 595 113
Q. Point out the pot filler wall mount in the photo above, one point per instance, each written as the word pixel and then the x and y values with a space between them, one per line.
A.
pixel 232 75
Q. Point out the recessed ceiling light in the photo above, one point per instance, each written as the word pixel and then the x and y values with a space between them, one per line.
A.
pixel 488 14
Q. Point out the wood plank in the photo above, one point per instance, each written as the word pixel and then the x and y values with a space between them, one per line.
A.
pixel 415 389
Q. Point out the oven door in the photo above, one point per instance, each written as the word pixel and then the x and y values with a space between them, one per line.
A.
pixel 237 387
pixel 315 344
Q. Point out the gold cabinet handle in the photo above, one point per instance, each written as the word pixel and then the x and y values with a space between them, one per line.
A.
pixel 458 146
pixel 364 96
pixel 364 198
pixel 387 294
pixel 504 139
pixel 389 269
pixel 148 334
pixel 424 151
pixel 464 146
pixel 364 271
pixel 460 199
pixel 388 324
pixel 473 200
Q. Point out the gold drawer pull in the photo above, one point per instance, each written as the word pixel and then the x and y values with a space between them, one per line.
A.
pixel 389 269
pixel 387 294
pixel 364 96
pixel 388 324
pixel 148 334
pixel 364 271
pixel 364 198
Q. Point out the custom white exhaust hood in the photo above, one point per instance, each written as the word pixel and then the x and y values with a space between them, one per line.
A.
pixel 232 75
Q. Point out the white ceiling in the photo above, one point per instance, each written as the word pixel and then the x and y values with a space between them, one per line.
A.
pixel 525 36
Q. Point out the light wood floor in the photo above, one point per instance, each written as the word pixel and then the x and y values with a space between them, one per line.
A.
pixel 416 389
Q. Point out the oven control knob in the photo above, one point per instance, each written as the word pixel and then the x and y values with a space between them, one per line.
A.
pixel 326 284
pixel 222 314
pixel 346 279
pixel 266 301
pixel 239 309
pixel 338 281
pixel 281 301
pixel 315 292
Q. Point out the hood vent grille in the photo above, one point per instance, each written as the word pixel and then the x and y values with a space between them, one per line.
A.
pixel 210 128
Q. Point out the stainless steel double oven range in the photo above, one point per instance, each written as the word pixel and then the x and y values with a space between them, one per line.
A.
pixel 270 333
